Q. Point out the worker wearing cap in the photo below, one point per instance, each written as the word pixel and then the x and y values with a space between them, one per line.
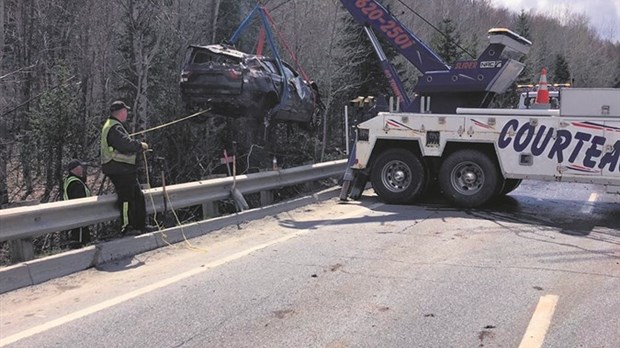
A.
pixel 75 187
pixel 118 162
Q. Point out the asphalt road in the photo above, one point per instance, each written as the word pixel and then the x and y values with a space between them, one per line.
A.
pixel 539 268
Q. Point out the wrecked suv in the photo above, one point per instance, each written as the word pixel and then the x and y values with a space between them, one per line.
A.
pixel 236 84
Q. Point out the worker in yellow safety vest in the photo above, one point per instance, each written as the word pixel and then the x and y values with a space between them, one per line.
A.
pixel 118 162
pixel 75 187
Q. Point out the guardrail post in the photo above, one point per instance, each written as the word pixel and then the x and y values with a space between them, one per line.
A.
pixel 266 198
pixel 21 250
pixel 209 210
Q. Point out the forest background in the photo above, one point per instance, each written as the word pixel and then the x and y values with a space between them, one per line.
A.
pixel 63 61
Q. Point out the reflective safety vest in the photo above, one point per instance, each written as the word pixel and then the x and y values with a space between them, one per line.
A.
pixel 68 182
pixel 108 153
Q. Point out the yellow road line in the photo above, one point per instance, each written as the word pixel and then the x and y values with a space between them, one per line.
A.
pixel 158 285
pixel 539 324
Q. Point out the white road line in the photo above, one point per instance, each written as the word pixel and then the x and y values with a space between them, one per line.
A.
pixel 133 294
pixel 539 324
pixel 587 207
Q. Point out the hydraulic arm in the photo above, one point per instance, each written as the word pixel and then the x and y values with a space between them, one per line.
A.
pixel 441 88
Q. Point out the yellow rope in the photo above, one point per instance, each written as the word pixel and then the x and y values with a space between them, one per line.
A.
pixel 171 123
pixel 150 194
pixel 160 228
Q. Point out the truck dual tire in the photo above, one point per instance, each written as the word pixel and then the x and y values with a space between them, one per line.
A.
pixel 398 176
pixel 470 178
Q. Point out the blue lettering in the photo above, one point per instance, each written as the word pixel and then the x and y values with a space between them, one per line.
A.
pixel 537 147
pixel 504 141
pixel 561 143
pixel 581 137
pixel 593 151
pixel 611 158
pixel 520 144
pixel 538 142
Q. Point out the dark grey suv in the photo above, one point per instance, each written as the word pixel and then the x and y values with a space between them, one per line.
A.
pixel 237 84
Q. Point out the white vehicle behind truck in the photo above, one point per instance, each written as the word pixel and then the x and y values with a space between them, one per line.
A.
pixel 477 155
pixel 527 95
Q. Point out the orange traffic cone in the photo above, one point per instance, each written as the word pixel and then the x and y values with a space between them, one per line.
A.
pixel 542 96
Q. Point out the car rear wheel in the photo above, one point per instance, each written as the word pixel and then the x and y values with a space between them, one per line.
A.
pixel 469 178
pixel 398 176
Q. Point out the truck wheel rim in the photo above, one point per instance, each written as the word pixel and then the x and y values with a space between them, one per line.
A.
pixel 467 178
pixel 396 176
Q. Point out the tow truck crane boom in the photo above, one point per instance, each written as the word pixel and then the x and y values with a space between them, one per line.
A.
pixel 469 83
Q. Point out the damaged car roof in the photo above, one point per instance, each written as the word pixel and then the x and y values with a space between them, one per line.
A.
pixel 222 49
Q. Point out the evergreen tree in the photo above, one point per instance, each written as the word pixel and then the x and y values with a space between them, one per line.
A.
pixel 447 44
pixel 56 128
pixel 523 28
pixel 561 70
pixel 523 25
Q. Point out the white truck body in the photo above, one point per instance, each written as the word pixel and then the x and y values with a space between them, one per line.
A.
pixel 579 143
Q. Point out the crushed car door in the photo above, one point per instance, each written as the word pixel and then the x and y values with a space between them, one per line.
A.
pixel 276 77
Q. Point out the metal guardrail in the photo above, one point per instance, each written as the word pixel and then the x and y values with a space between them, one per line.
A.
pixel 33 221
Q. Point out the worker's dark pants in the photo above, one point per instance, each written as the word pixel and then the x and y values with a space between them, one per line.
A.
pixel 130 200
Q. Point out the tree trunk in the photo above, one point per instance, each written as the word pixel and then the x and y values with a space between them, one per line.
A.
pixel 1 31
pixel 4 156
pixel 25 57
pixel 143 57
pixel 216 13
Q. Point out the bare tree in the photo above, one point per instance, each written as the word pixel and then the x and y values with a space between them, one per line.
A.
pixel 144 38
pixel 214 17
pixel 1 31
pixel 4 197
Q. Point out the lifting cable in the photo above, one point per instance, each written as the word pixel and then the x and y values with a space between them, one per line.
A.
pixel 434 27
pixel 285 44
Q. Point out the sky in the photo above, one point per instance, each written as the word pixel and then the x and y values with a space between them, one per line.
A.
pixel 604 15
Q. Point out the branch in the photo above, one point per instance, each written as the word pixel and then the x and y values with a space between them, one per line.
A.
pixel 38 96
pixel 18 70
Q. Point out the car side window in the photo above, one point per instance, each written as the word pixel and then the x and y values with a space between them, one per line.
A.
pixel 288 73
pixel 271 67
pixel 254 63
pixel 201 57
pixel 204 57
pixel 288 70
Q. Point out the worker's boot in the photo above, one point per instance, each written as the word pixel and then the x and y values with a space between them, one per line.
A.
pixel 130 231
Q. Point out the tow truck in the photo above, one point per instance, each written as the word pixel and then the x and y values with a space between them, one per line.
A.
pixel 445 135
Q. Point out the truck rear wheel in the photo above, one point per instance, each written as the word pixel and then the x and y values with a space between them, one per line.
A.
pixel 398 176
pixel 469 178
